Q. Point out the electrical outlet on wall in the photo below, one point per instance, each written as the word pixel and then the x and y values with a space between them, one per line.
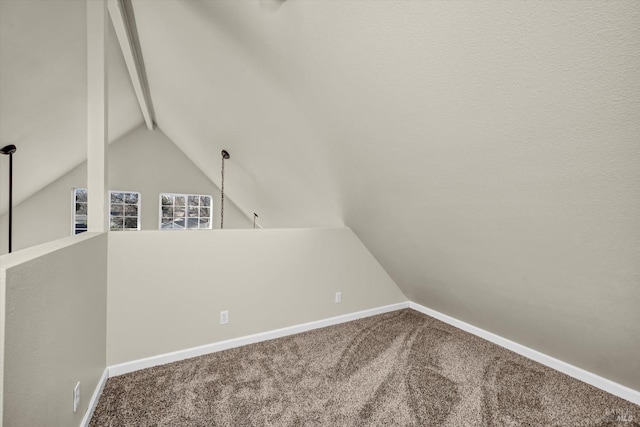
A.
pixel 338 297
pixel 224 317
pixel 76 397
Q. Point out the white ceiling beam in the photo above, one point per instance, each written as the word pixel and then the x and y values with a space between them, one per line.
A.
pixel 121 13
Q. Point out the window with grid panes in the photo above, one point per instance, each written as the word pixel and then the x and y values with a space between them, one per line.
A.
pixel 124 209
pixel 185 211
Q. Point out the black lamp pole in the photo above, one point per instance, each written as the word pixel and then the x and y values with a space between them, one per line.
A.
pixel 225 156
pixel 10 149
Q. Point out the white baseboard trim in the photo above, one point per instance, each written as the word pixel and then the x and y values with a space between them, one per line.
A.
pixel 94 398
pixel 136 365
pixel 573 371
pixel 609 386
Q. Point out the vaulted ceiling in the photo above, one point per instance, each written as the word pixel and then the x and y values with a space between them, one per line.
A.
pixel 43 90
pixel 475 147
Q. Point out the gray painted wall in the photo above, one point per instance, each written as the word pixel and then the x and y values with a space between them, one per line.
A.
pixel 142 160
pixel 166 290
pixel 148 162
pixel 53 305
pixel 66 313
pixel 486 152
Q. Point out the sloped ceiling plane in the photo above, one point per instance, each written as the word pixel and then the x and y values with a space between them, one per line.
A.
pixel 485 152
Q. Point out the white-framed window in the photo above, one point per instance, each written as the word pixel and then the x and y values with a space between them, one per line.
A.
pixel 79 209
pixel 124 210
pixel 185 211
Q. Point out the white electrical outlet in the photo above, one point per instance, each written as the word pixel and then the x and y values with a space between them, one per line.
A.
pixel 224 317
pixel 338 297
pixel 76 397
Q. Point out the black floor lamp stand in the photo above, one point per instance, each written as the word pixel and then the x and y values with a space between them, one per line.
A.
pixel 225 156
pixel 9 150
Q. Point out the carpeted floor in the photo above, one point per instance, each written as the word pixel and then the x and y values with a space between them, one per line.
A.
pixel 401 368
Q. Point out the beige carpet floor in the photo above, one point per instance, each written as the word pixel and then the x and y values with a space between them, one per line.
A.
pixel 396 369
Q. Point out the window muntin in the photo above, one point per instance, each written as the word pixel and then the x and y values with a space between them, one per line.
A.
pixel 185 211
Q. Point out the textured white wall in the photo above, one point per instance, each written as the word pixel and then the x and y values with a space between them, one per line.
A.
pixel 166 290
pixel 54 307
pixel 142 160
pixel 486 152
